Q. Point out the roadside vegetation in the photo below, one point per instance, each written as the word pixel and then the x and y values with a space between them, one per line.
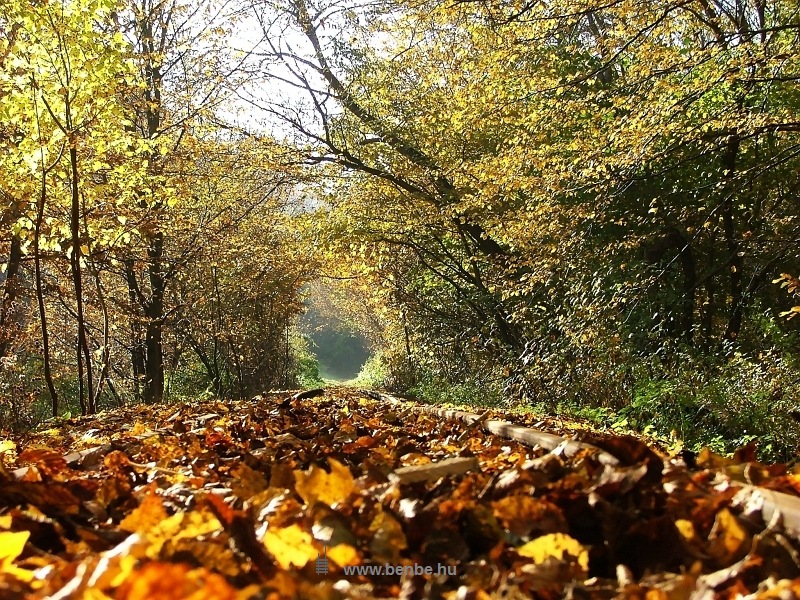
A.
pixel 568 207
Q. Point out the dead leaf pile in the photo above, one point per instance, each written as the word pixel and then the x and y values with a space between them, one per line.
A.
pixel 239 500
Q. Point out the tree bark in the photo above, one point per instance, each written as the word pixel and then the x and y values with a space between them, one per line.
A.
pixel 10 291
pixel 137 346
pixel 37 263
pixel 151 47
pixel 84 355
pixel 154 350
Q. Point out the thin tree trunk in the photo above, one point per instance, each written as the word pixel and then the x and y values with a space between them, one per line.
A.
pixel 103 376
pixel 37 261
pixel 10 291
pixel 154 308
pixel 137 348
pixel 216 319
pixel 86 394
pixel 154 356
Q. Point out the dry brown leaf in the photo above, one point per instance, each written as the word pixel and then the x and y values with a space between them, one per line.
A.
pixel 523 514
pixel 165 581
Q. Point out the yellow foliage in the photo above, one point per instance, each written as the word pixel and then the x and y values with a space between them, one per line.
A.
pixel 559 546
pixel 315 485
pixel 291 546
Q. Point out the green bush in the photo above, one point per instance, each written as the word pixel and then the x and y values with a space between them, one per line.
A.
pixel 719 404
pixel 438 390
pixel 306 365
pixel 374 373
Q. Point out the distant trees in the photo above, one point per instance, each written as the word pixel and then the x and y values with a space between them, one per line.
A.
pixel 120 189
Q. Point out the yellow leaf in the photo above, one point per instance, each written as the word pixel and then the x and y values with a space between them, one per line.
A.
pixel 686 528
pixel 343 555
pixel 125 567
pixel 727 539
pixel 149 514
pixel 291 546
pixel 11 546
pixel 556 545
pixel 138 429
pixel 523 514
pixel 315 485
pixel 181 525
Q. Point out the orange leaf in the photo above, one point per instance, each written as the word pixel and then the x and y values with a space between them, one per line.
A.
pixel 146 516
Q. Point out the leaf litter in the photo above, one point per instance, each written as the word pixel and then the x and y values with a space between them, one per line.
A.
pixel 242 500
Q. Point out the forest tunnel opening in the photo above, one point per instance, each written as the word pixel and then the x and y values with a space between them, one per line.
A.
pixel 340 349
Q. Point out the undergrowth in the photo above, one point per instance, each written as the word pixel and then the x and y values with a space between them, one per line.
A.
pixel 689 403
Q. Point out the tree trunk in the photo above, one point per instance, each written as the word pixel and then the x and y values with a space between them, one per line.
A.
pixel 9 295
pixel 84 355
pixel 137 346
pixel 37 268
pixel 154 355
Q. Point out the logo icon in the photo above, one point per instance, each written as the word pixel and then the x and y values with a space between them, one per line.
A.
pixel 321 564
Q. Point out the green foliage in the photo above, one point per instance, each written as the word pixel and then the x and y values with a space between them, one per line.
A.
pixel 341 351
pixel 722 406
pixel 187 381
pixel 306 369
pixel 375 374
pixel 439 390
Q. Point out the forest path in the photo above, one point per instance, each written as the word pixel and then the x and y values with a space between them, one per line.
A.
pixel 235 499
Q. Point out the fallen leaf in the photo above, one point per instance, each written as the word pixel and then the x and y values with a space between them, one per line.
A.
pixel 728 538
pixel 165 581
pixel 11 546
pixel 291 546
pixel 315 485
pixel 148 515
pixel 523 514
pixel 343 555
pixel 556 545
